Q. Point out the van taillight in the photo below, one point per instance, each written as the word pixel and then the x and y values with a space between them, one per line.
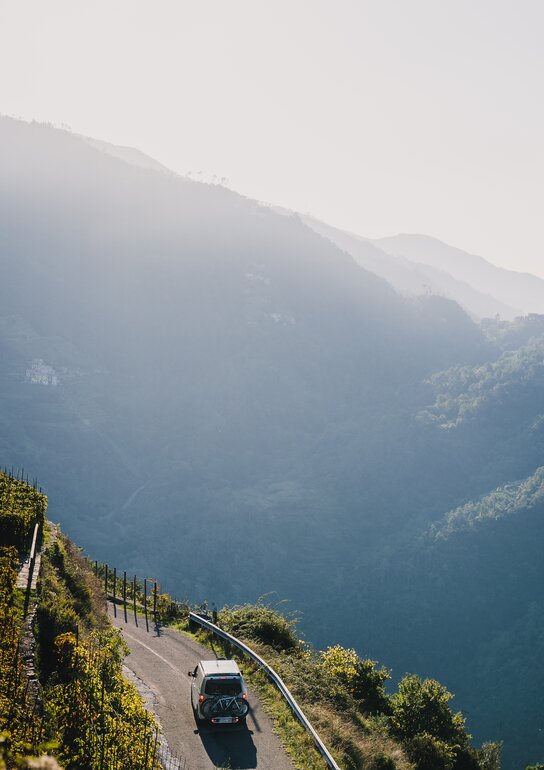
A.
pixel 201 699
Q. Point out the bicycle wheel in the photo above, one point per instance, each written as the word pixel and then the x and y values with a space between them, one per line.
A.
pixel 209 708
pixel 240 707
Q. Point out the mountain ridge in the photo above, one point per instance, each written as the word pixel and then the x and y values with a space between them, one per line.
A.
pixel 512 287
pixel 414 277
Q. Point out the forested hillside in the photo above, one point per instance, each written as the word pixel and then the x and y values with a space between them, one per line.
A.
pixel 176 359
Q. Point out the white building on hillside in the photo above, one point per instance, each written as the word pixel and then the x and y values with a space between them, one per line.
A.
pixel 39 373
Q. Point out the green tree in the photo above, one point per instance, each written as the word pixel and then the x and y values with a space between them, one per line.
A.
pixel 421 706
pixel 359 677
pixel 430 753
pixel 489 756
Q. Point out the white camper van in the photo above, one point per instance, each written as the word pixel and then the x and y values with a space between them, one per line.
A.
pixel 218 692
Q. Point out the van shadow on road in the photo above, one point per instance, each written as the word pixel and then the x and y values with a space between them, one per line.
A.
pixel 232 747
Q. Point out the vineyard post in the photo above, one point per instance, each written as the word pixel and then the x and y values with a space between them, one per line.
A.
pixel 96 567
pixel 145 607
pixel 25 706
pixel 155 604
pixel 155 746
pixel 125 594
pixel 115 591
pixel 146 737
pixel 134 600
pixel 32 720
pixel 40 728
pixel 103 716
pixel 12 684
pixel 106 581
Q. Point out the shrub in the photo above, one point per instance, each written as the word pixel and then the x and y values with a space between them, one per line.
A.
pixel 359 677
pixel 489 756
pixel 430 753
pixel 73 575
pixel 170 610
pixel 421 706
pixel 384 762
pixel 70 597
pixel 262 623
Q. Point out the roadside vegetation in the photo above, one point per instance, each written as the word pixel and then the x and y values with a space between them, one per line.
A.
pixel 82 712
pixel 85 715
pixel 97 717
pixel 346 700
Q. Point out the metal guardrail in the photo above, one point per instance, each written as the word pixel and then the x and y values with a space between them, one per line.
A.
pixel 295 708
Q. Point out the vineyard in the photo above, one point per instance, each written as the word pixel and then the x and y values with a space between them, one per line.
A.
pixel 19 712
pixel 22 505
pixel 81 710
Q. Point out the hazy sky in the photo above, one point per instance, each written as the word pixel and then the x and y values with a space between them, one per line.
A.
pixel 379 116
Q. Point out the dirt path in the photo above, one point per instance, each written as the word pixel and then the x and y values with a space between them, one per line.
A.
pixel 162 662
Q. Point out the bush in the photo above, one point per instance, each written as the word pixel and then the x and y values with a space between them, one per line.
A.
pixel 73 575
pixel 170 610
pixel 430 753
pixel 54 616
pixel 359 677
pixel 70 598
pixel 489 756
pixel 384 762
pixel 421 707
pixel 261 623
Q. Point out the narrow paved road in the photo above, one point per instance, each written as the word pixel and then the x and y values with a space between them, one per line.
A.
pixel 162 661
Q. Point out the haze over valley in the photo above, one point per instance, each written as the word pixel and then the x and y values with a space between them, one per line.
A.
pixel 243 399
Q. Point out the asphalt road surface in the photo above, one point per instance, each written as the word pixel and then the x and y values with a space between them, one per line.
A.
pixel 161 661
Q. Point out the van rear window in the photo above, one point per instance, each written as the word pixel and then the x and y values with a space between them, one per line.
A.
pixel 217 686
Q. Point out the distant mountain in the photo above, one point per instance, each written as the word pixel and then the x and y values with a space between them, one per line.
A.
pixel 128 154
pixel 406 275
pixel 415 277
pixel 519 290
pixel 167 308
